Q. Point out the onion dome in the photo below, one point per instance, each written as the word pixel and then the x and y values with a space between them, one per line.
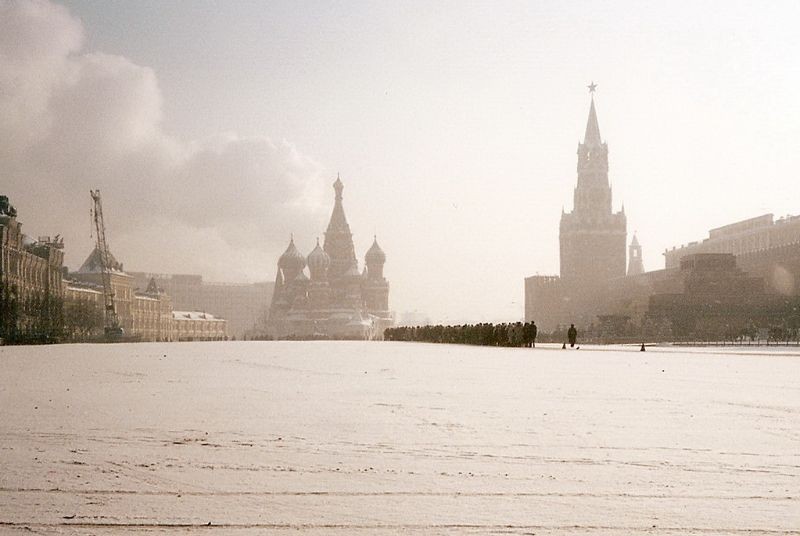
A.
pixel 318 262
pixel 292 260
pixel 375 254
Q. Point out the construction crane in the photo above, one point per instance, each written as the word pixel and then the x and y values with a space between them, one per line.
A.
pixel 111 324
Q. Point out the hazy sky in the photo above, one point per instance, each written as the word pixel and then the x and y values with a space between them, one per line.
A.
pixel 215 129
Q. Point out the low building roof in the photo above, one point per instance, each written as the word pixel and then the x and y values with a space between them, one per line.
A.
pixel 195 315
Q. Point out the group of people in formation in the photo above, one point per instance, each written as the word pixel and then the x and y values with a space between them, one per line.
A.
pixel 516 334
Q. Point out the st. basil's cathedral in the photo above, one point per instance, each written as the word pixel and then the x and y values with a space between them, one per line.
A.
pixel 335 300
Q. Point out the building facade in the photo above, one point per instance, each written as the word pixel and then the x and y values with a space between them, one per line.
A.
pixel 743 277
pixel 41 302
pixel 592 239
pixel 91 274
pixel 30 281
pixel 152 318
pixel 83 310
pixel 196 326
pixel 708 295
pixel 762 246
pixel 144 314
pixel 243 305
pixel 334 300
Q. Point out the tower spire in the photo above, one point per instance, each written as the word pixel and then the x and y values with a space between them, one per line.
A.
pixel 338 221
pixel 592 237
pixel 635 263
pixel 592 136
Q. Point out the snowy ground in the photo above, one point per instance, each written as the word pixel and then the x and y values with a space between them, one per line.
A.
pixel 393 438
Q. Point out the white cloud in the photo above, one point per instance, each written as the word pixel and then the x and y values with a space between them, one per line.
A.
pixel 71 120
pixel 35 39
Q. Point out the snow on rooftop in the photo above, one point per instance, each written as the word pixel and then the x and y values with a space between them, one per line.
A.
pixel 194 315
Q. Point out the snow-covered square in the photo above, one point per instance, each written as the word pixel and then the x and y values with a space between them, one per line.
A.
pixel 398 438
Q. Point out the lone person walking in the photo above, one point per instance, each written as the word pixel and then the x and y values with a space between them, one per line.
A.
pixel 572 335
pixel 529 334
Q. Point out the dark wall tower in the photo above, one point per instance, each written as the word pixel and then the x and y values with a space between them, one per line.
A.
pixel 592 236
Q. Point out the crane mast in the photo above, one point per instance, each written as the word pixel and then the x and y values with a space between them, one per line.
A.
pixel 110 319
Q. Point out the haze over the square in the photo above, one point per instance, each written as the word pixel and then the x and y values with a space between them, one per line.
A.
pixel 219 128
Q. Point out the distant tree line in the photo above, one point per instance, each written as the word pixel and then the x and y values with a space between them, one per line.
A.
pixel 35 318
pixel 44 318
pixel 83 320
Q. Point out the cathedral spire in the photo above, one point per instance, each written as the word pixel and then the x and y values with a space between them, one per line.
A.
pixel 592 136
pixel 338 221
pixel 338 238
pixel 338 187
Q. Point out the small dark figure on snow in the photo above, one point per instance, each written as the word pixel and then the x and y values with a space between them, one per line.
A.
pixel 572 335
